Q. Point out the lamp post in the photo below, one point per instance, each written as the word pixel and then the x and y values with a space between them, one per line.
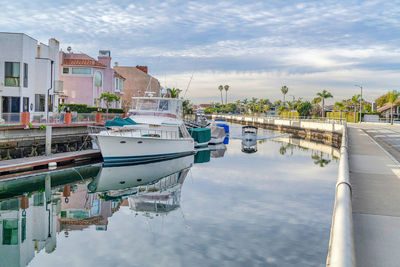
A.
pixel 360 86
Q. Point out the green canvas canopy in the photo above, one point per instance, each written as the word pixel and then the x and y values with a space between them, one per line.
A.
pixel 119 122
pixel 130 121
pixel 200 135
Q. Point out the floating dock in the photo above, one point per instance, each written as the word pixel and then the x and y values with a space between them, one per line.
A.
pixel 21 164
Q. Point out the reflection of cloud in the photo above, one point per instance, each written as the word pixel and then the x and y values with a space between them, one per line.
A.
pixel 235 211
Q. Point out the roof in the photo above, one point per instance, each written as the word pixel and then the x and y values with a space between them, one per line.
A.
pixel 72 59
pixel 388 106
pixel 116 74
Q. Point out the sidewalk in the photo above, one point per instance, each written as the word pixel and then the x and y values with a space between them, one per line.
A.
pixel 375 179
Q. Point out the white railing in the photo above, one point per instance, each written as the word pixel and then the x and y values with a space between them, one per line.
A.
pixel 131 132
pixel 341 244
pixel 277 117
pixel 10 118
pixel 83 117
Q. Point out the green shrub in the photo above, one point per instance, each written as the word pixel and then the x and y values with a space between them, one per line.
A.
pixel 82 108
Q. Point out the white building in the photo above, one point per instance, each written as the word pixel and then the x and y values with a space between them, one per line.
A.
pixel 28 73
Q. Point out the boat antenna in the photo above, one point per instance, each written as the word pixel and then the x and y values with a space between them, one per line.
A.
pixel 187 88
pixel 149 83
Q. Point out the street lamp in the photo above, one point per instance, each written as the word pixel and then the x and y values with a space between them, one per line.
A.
pixel 360 86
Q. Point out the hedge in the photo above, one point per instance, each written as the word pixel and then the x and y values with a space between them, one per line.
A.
pixel 82 108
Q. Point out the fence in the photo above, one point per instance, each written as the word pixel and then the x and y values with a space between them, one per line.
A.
pixel 39 118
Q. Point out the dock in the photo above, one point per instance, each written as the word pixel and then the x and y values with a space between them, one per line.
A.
pixel 375 178
pixel 20 164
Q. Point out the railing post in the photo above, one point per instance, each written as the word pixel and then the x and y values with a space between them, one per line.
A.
pixel 25 118
pixel 98 117
pixel 68 118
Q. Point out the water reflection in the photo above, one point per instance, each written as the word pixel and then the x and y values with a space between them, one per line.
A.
pixel 30 220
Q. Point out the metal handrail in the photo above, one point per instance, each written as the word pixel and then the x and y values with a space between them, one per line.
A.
pixel 124 132
pixel 341 251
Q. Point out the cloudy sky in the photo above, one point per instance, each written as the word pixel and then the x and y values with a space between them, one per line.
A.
pixel 254 46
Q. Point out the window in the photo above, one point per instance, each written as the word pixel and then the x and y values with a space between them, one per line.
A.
pixel 121 85
pixel 11 104
pixel 40 102
pixel 11 74
pixel 25 104
pixel 65 70
pixel 25 75
pixel 10 232
pixel 81 71
pixel 98 79
pixel 116 84
pixel 38 199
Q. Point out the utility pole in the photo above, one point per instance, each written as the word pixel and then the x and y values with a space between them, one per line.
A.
pixel 360 86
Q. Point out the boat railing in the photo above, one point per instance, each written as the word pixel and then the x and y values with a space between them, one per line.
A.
pixel 132 132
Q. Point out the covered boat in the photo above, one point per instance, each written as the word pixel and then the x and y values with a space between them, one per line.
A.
pixel 201 136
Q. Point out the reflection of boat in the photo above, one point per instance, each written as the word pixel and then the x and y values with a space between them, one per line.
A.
pixel 217 151
pixel 202 156
pixel 155 131
pixel 122 177
pixel 161 197
pixel 249 139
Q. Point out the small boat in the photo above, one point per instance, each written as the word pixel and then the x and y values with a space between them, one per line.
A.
pixel 221 122
pixel 217 151
pixel 218 135
pixel 201 136
pixel 155 131
pixel 249 139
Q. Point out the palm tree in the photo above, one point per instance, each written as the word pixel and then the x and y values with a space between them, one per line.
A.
pixel 226 87
pixel 284 91
pixel 324 95
pixel 392 97
pixel 340 106
pixel 354 102
pixel 220 88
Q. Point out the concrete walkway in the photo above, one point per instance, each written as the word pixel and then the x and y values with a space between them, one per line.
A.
pixel 375 179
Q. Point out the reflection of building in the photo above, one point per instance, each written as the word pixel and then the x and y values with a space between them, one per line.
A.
pixel 27 225
pixel 80 209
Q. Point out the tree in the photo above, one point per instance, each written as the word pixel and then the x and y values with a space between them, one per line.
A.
pixel 382 100
pixel 220 88
pixel 109 99
pixel 304 109
pixel 174 92
pixel 226 87
pixel 340 106
pixel 187 107
pixel 392 97
pixel 324 95
pixel 354 101
pixel 284 91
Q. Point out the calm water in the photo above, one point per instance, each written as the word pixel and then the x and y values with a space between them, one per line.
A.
pixel 268 208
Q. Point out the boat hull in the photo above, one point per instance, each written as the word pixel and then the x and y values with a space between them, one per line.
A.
pixel 118 150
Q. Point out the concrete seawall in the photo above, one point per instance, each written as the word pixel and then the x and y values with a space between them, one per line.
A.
pixel 329 133
pixel 341 252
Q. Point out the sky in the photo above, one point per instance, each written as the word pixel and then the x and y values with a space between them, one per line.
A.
pixel 255 47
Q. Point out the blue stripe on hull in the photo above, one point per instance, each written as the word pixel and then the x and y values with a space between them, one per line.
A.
pixel 118 161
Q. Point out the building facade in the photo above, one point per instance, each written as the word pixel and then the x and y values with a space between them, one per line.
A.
pixel 85 79
pixel 138 82
pixel 29 79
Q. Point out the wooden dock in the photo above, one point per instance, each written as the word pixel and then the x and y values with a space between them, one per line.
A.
pixel 20 164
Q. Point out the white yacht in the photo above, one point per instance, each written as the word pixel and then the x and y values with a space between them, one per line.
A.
pixel 155 131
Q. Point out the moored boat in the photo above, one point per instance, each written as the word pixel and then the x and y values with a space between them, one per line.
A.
pixel 156 132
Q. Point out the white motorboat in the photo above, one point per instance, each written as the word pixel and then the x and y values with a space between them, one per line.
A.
pixel 156 132
pixel 249 139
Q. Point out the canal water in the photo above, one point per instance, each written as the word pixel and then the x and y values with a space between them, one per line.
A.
pixel 270 205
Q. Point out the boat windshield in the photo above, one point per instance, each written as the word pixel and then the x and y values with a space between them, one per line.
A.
pixel 159 105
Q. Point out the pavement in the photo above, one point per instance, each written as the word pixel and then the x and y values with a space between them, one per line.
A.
pixel 374 154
